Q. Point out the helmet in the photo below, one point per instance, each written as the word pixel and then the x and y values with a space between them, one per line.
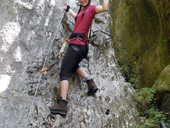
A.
pixel 89 1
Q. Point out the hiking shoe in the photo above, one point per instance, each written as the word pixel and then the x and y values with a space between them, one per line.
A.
pixel 60 108
pixel 92 88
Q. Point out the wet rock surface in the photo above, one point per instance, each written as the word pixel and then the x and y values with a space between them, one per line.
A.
pixel 27 29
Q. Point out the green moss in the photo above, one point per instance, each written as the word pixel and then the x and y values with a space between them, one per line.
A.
pixel 163 81
pixel 139 40
pixel 141 30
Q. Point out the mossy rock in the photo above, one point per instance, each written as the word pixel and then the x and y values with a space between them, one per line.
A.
pixel 163 81
pixel 162 85
pixel 140 30
pixel 140 39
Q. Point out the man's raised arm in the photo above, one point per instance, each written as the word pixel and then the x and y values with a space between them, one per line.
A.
pixel 102 8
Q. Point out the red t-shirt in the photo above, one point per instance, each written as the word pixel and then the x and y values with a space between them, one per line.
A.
pixel 82 24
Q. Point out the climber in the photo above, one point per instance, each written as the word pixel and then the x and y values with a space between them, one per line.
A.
pixel 77 50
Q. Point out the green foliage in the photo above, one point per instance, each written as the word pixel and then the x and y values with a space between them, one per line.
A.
pixel 146 96
pixel 129 74
pixel 150 116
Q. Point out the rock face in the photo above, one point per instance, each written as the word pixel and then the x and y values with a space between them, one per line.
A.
pixel 28 28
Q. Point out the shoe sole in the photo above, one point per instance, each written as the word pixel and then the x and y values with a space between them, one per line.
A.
pixel 59 112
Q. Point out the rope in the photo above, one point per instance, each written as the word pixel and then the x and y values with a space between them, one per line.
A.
pixel 40 77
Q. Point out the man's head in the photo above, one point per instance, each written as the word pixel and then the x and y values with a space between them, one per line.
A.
pixel 84 2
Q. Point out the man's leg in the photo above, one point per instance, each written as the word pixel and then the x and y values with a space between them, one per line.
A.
pixel 64 89
pixel 83 74
pixel 92 88
pixel 69 66
pixel 66 71
pixel 61 106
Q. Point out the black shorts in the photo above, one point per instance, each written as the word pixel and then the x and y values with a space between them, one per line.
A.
pixel 72 58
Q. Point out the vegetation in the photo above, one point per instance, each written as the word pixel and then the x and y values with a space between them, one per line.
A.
pixel 129 74
pixel 150 116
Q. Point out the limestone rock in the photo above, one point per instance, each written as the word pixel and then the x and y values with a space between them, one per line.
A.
pixel 31 33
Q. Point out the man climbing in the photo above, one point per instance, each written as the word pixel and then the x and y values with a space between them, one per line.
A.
pixel 77 50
